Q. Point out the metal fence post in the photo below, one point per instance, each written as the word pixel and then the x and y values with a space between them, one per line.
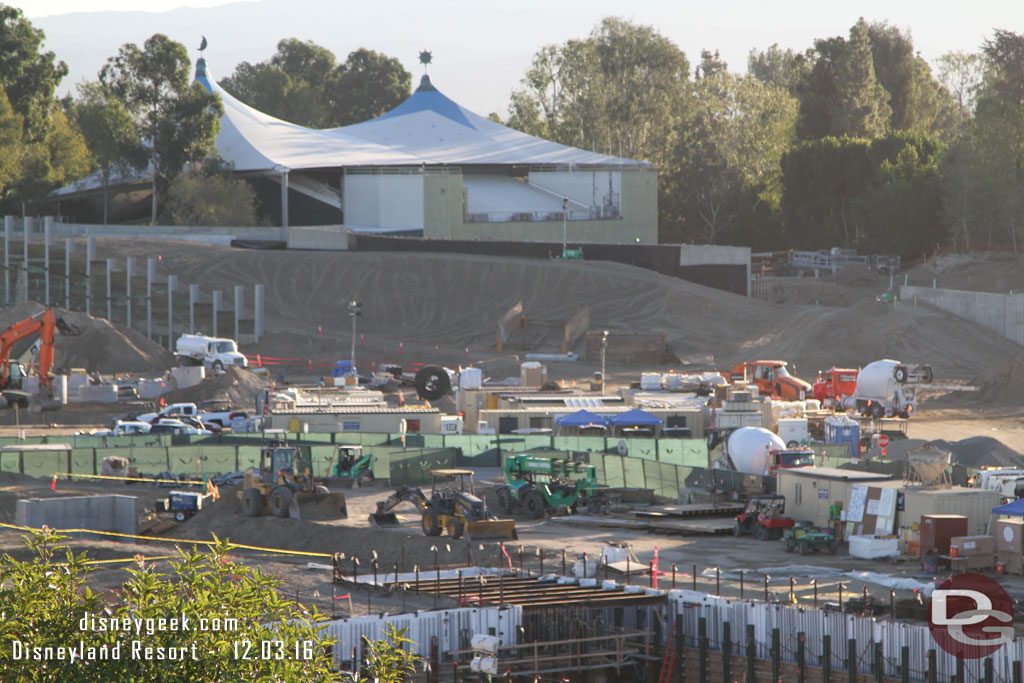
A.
pixel 702 646
pixel 751 653
pixel 801 657
pixel 776 655
pixel 851 660
pixel 905 664
pixel 726 651
pixel 879 662
pixel 933 674
pixel 826 657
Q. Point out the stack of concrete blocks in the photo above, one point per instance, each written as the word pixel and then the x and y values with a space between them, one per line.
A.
pixel 185 377
pixel 75 382
pixel 153 388
pixel 99 513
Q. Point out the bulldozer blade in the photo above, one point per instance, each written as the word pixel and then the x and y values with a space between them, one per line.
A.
pixel 319 506
pixel 492 530
pixel 384 519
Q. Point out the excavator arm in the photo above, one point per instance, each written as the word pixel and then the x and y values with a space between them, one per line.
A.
pixel 383 517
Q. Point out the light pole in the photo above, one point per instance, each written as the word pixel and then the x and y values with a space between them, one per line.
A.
pixel 604 349
pixel 355 309
pixel 565 215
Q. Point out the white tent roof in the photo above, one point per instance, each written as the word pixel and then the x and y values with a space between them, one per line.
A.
pixel 428 128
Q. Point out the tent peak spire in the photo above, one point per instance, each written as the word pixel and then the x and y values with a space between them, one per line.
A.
pixel 426 85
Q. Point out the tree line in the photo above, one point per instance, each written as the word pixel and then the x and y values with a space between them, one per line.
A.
pixel 855 141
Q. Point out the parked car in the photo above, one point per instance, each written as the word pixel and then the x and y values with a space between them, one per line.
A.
pixel 168 425
pixel 124 428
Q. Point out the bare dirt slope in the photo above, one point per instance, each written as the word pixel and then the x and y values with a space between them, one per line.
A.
pixel 453 301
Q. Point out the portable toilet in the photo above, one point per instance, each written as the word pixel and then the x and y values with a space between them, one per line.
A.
pixel 840 429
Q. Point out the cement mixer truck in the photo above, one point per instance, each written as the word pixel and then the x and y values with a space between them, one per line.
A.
pixel 888 388
pixel 753 450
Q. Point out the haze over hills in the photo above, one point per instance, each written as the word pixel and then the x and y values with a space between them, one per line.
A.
pixel 482 50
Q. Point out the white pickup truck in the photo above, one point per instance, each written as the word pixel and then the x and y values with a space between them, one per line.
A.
pixel 124 428
pixel 222 418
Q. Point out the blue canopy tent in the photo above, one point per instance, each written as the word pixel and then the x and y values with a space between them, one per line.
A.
pixel 1015 507
pixel 636 418
pixel 637 422
pixel 582 418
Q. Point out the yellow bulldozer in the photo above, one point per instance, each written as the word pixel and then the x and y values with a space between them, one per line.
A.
pixel 451 507
pixel 275 487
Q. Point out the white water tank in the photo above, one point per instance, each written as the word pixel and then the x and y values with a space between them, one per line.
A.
pixel 471 378
pixel 749 448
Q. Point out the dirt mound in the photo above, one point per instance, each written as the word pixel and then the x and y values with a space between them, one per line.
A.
pixel 433 307
pixel 1004 384
pixel 235 385
pixel 982 451
pixel 101 347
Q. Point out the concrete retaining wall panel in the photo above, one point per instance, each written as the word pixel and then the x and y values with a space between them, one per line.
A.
pixel 101 513
pixel 1001 313
pixel 153 388
pixel 97 393
pixel 185 377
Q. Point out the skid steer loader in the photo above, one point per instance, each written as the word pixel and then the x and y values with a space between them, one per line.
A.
pixel 276 488
pixel 451 507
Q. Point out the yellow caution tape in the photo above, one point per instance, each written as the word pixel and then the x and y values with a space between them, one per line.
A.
pixel 140 479
pixel 133 558
pixel 275 551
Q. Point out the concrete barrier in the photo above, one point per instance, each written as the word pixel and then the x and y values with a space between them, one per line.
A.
pixel 319 237
pixel 185 377
pixel 153 388
pixel 97 393
pixel 100 513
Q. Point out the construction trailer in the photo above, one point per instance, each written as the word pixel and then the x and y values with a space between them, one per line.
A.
pixel 418 419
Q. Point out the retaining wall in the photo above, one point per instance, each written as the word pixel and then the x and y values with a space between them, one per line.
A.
pixel 1002 313
pixel 99 513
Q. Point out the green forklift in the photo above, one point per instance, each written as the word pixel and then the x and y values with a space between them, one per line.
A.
pixel 540 485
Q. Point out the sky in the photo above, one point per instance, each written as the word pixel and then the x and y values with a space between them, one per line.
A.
pixel 483 48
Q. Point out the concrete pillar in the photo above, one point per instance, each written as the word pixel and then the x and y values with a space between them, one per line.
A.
pixel 129 270
pixel 90 255
pixel 257 312
pixel 193 299
pixel 284 207
pixel 172 284
pixel 8 229
pixel 69 245
pixel 47 239
pixel 150 276
pixel 110 267
pixel 218 305
pixel 60 389
pixel 239 303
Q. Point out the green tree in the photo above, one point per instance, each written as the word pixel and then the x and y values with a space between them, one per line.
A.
pixel 387 658
pixel 45 599
pixel 726 182
pixel 861 104
pixel 28 76
pixel 10 144
pixel 210 198
pixel 110 131
pixel 365 86
pixel 919 103
pixel 782 68
pixel 178 118
pixel 301 83
pixel 58 159
pixel 621 90
pixel 960 73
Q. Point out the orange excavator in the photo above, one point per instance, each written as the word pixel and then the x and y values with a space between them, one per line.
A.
pixel 45 324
